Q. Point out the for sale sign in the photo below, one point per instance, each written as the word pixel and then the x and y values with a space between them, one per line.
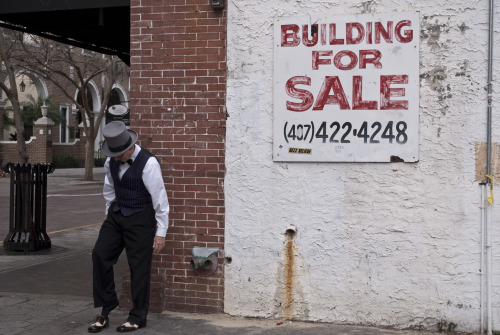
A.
pixel 346 88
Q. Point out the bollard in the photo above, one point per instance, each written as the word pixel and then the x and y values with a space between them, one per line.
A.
pixel 28 207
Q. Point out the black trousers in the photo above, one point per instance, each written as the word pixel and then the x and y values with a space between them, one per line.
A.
pixel 136 234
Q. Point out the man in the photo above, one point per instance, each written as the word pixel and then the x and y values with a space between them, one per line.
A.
pixel 137 219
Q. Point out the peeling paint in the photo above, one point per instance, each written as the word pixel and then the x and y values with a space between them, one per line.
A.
pixel 463 69
pixel 432 32
pixel 368 6
pixel 435 80
pixel 463 27
pixel 289 275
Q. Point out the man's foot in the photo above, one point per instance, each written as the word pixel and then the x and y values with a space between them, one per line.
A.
pixel 130 327
pixel 100 322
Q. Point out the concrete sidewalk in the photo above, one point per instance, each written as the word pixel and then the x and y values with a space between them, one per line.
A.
pixel 50 292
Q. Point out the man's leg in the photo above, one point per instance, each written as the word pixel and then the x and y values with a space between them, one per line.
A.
pixel 139 239
pixel 107 249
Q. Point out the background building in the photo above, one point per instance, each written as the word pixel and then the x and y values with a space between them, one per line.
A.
pixel 67 136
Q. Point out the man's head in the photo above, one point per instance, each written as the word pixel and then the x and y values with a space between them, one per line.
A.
pixel 118 140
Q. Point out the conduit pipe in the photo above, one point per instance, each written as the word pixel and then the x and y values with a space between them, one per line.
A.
pixel 489 268
pixel 482 206
pixel 487 219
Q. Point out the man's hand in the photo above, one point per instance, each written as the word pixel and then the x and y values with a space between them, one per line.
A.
pixel 158 244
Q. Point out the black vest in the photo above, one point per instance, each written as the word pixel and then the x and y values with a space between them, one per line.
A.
pixel 131 195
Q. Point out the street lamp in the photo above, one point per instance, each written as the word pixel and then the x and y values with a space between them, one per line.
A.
pixel 22 85
pixel 45 109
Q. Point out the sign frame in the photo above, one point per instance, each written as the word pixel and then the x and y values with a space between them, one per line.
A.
pixel 346 88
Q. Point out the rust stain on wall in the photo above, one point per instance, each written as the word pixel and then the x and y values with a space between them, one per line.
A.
pixel 289 275
pixel 480 156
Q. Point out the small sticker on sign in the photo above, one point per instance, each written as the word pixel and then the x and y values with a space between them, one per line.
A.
pixel 299 151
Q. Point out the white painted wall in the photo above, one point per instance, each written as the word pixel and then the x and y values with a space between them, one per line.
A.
pixel 388 244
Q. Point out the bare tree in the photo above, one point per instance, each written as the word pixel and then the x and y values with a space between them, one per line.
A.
pixel 71 70
pixel 9 55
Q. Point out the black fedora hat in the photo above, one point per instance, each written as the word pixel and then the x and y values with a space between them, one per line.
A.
pixel 117 138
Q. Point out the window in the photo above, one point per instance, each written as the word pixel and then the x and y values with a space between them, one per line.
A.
pixel 63 131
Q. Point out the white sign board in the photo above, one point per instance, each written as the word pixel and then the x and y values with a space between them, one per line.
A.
pixel 118 110
pixel 346 88
pixel 118 113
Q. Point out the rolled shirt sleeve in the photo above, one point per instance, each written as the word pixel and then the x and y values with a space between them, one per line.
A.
pixel 153 181
pixel 109 187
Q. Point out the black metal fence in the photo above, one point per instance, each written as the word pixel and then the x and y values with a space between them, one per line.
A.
pixel 28 207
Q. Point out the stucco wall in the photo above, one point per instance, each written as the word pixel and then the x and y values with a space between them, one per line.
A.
pixel 392 244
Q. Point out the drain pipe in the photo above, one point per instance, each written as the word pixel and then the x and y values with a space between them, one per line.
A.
pixel 489 179
pixel 482 257
pixel 489 271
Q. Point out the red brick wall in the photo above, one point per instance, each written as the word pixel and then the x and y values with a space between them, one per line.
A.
pixel 39 148
pixel 8 152
pixel 178 83
pixel 75 148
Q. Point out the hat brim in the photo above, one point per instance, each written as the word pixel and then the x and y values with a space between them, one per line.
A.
pixel 109 153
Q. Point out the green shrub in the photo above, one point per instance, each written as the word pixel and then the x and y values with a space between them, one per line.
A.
pixel 99 162
pixel 66 162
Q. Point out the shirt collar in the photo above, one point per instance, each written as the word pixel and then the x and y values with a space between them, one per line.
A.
pixel 136 152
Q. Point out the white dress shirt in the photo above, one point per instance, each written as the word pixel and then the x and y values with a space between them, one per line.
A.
pixel 153 180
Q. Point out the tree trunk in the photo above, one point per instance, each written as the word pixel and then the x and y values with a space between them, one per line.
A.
pixel 21 143
pixel 89 159
pixel 89 148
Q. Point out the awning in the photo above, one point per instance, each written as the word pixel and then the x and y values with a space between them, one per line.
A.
pixel 99 25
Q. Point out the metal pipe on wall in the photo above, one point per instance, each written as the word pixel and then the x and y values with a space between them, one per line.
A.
pixel 489 178
pixel 490 89
pixel 489 270
pixel 482 258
